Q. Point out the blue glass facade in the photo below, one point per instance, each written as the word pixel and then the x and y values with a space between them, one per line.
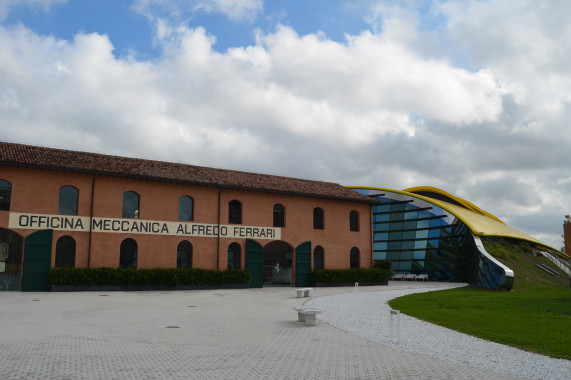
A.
pixel 419 237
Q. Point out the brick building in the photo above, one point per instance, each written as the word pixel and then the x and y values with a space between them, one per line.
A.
pixel 62 208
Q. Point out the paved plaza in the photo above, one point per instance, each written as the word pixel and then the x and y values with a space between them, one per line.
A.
pixel 206 334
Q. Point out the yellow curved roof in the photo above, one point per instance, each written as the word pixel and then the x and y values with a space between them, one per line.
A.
pixel 463 202
pixel 478 221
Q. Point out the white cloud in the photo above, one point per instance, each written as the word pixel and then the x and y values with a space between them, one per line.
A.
pixel 178 10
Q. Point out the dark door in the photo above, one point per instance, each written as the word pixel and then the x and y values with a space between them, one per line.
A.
pixel 37 261
pixel 303 264
pixel 255 262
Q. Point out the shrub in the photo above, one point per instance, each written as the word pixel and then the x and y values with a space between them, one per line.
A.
pixel 146 277
pixel 361 275
pixel 384 264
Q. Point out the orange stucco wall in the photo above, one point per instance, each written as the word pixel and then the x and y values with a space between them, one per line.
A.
pixel 37 192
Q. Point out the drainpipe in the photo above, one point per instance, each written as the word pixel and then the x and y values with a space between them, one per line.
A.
pixel 218 239
pixel 91 222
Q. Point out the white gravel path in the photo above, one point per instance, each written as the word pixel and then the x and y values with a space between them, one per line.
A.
pixel 367 314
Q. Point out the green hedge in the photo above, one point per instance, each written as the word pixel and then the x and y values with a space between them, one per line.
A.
pixel 146 277
pixel 362 275
pixel 384 264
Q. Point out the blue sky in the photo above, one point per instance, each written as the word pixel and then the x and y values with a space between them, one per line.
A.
pixel 131 31
pixel 470 96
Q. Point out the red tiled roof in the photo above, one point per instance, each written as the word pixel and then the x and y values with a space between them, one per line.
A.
pixel 12 154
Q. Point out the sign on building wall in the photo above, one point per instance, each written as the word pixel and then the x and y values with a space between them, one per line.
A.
pixel 138 226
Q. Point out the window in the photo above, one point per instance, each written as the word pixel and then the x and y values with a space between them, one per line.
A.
pixel 184 255
pixel 318 262
pixel 68 196
pixel 185 208
pixel 354 258
pixel 128 254
pixel 130 205
pixel 354 221
pixel 317 218
pixel 235 212
pixel 234 257
pixel 5 193
pixel 65 252
pixel 279 215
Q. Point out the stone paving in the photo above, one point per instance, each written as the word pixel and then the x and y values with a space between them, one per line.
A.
pixel 207 334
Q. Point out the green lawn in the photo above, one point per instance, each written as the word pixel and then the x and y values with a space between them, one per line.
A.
pixel 534 316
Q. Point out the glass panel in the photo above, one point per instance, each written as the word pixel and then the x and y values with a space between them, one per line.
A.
pixel 422 234
pixel 434 233
pixel 65 252
pixel 420 244
pixel 381 217
pixel 393 255
pixel 405 266
pixel 406 255
pixel 318 218
pixel 185 208
pixel 130 205
pixel 380 246
pixel 407 244
pixel 128 254
pixel 235 212
pixel 68 196
pixel 380 256
pixel 409 235
pixel 395 235
pixel 5 195
pixel 279 216
pixel 411 215
pixel 382 227
pixel 354 258
pixel 394 245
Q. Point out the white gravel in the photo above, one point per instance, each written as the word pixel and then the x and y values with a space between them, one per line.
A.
pixel 367 314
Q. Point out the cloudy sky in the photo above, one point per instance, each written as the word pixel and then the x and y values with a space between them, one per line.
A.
pixel 473 97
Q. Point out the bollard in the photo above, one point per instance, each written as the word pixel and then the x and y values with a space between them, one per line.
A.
pixel 395 314
pixel 357 287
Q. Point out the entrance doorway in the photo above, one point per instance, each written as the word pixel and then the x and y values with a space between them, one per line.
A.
pixel 278 260
pixel 10 260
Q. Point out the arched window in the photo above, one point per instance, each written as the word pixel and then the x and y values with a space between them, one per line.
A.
pixel 5 194
pixel 354 258
pixel 130 205
pixel 184 255
pixel 185 208
pixel 279 215
pixel 235 212
pixel 128 254
pixel 65 252
pixel 318 258
pixel 68 196
pixel 234 256
pixel 318 218
pixel 354 221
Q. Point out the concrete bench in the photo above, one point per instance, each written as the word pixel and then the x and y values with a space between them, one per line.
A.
pixel 397 277
pixel 423 277
pixel 304 292
pixel 307 315
pixel 410 277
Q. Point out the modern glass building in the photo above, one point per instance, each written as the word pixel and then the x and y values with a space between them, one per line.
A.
pixel 425 230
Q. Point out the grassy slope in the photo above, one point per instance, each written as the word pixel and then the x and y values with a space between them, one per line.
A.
pixel 534 316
